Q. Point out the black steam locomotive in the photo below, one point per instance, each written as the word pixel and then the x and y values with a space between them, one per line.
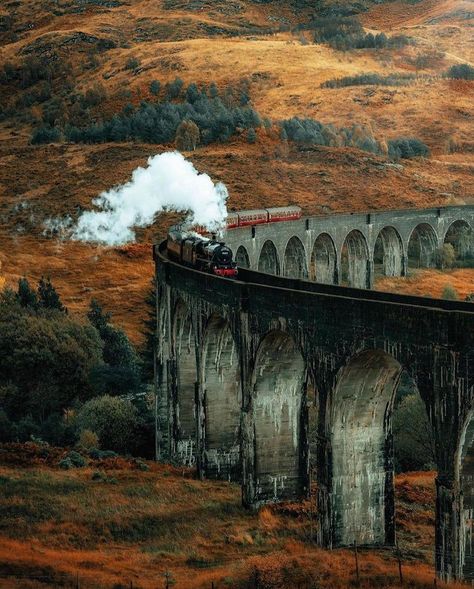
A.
pixel 201 253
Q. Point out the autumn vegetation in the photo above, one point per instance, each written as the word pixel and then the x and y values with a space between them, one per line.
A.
pixel 353 106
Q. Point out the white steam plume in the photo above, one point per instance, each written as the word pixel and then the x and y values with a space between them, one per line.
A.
pixel 170 182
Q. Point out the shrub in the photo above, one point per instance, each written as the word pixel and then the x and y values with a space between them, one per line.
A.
pixel 370 80
pixel 446 256
pixel 45 134
pixel 187 136
pixel 449 293
pixel 76 459
pixel 155 87
pixel 462 71
pixel 132 63
pixel 251 135
pixel 102 454
pixel 88 439
pixel 114 420
pixel 407 147
pixel 93 96
pixel 65 463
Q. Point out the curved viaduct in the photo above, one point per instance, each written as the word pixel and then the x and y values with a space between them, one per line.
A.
pixel 351 249
pixel 241 363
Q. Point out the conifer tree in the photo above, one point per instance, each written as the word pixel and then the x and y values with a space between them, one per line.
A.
pixel 26 295
pixel 48 297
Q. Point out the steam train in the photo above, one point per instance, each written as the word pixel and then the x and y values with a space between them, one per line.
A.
pixel 207 255
pixel 210 255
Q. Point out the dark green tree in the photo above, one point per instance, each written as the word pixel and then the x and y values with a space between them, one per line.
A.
pixel 48 296
pixel 155 87
pixel 45 361
pixel 121 372
pixel 26 295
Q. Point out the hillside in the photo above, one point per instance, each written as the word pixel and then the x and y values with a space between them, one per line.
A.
pixel 112 524
pixel 115 49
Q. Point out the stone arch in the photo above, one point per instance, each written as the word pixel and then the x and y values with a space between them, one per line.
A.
pixel 268 260
pixel 323 266
pixel 355 260
pixel 242 257
pixel 465 480
pixel 278 389
pixel 222 401
pixel 461 236
pixel 185 389
pixel 422 247
pixel 388 253
pixel 362 496
pixel 294 263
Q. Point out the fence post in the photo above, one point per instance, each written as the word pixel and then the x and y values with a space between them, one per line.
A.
pixel 399 558
pixel 356 555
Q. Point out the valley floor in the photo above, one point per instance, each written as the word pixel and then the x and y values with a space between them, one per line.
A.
pixel 112 524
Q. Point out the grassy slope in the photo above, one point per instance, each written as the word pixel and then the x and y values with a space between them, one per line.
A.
pixel 138 525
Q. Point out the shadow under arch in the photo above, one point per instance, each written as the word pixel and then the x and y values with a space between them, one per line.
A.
pixel 222 401
pixel 460 235
pixel 464 474
pixel 294 262
pixel 361 456
pixel 422 247
pixel 355 261
pixel 242 257
pixel 323 267
pixel 388 253
pixel 185 386
pixel 278 405
pixel 268 260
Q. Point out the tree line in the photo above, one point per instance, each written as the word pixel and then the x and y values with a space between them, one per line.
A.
pixel 62 376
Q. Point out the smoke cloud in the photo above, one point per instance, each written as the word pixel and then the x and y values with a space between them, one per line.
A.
pixel 168 183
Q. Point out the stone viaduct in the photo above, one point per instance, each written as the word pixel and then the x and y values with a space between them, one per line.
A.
pixel 351 249
pixel 242 363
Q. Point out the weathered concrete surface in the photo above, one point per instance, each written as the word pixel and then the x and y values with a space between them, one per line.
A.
pixel 395 241
pixel 261 342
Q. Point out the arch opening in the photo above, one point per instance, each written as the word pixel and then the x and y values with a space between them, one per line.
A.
pixel 458 246
pixel 294 264
pixel 324 260
pixel 465 468
pixel 422 247
pixel 242 257
pixel 185 394
pixel 279 377
pixel 355 261
pixel 268 261
pixel 362 497
pixel 388 253
pixel 222 401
